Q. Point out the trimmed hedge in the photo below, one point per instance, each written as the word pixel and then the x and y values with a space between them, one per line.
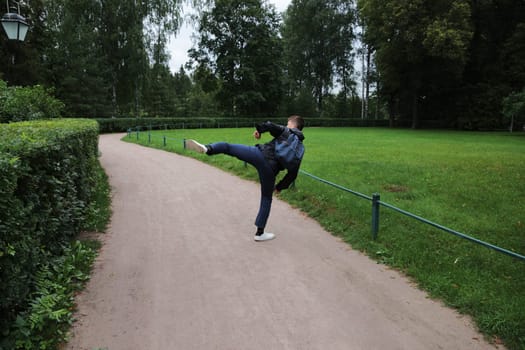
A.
pixel 109 125
pixel 46 183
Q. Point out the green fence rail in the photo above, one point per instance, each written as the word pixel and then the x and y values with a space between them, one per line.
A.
pixel 376 203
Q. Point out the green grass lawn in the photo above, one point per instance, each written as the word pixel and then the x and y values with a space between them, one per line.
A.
pixel 471 182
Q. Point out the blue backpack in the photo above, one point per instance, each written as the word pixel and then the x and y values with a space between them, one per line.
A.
pixel 289 150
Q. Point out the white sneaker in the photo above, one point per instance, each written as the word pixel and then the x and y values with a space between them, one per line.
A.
pixel 195 146
pixel 264 237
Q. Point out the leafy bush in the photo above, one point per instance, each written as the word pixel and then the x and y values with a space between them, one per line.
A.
pixel 47 174
pixel 27 103
pixel 45 323
pixel 108 125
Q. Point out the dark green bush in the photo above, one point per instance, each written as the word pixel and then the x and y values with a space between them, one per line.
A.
pixel 108 125
pixel 45 324
pixel 46 184
pixel 27 103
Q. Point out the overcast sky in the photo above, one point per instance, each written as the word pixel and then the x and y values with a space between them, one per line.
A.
pixel 179 46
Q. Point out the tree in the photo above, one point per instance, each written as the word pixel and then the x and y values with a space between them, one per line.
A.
pixel 421 48
pixel 514 107
pixel 317 36
pixel 239 43
pixel 76 64
pixel 100 53
pixel 495 61
pixel 202 99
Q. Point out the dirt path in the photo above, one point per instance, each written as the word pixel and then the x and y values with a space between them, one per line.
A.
pixel 179 270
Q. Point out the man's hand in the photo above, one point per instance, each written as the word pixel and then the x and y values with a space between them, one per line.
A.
pixel 256 134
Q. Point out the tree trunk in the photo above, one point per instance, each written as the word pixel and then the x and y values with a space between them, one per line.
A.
pixel 320 99
pixel 377 106
pixel 367 80
pixel 415 116
pixel 136 99
pixel 392 111
pixel 363 85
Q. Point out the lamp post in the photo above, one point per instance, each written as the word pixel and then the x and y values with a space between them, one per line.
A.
pixel 15 26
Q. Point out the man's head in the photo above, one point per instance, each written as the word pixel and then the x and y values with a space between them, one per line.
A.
pixel 296 121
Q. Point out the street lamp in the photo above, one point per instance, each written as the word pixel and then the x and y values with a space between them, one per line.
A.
pixel 14 25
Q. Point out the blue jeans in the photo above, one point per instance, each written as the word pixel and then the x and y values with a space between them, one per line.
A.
pixel 254 156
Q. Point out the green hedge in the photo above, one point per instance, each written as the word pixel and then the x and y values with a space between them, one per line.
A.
pixel 46 181
pixel 109 125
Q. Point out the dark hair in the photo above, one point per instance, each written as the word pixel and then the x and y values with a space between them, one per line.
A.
pixel 298 120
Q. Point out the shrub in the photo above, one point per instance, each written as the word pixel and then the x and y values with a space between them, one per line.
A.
pixel 44 325
pixel 123 124
pixel 46 180
pixel 27 103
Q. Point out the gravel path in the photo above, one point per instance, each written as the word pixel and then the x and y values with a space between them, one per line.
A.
pixel 179 270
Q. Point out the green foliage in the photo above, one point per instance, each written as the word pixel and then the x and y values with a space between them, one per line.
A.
pixel 44 324
pixel 514 107
pixel 98 211
pixel 47 176
pixel 494 68
pixel 444 63
pixel 27 103
pixel 421 49
pixel 449 33
pixel 239 43
pixel 98 64
pixel 471 182
pixel 123 124
pixel 317 39
pixel 144 124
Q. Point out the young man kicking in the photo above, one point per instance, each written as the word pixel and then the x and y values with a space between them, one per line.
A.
pixel 262 157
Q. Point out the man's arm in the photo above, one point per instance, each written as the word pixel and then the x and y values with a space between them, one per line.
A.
pixel 275 129
pixel 287 180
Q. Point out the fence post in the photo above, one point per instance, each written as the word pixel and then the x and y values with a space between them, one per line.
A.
pixel 184 143
pixel 375 215
pixel 164 137
pixel 149 136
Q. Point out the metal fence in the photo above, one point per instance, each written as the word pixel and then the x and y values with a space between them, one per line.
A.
pixel 376 203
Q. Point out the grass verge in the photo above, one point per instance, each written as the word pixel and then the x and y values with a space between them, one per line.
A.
pixel 470 182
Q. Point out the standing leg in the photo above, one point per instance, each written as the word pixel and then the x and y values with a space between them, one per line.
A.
pixel 267 179
pixel 254 156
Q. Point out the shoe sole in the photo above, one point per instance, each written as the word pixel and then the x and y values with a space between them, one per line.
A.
pixel 195 146
pixel 264 240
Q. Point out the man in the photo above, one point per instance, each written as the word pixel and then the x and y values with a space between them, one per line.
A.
pixel 262 157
